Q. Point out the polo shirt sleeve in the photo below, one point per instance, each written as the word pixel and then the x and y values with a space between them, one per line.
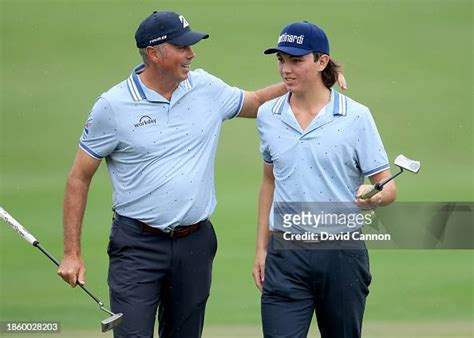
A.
pixel 370 152
pixel 99 137
pixel 229 99
pixel 262 131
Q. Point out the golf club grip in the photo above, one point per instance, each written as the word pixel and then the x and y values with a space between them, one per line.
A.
pixel 368 194
pixel 17 226
pixel 4 215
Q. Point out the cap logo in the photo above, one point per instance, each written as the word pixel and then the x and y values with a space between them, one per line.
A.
pixel 158 39
pixel 291 38
pixel 183 21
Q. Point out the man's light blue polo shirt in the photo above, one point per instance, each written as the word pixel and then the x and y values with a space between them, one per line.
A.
pixel 159 153
pixel 328 160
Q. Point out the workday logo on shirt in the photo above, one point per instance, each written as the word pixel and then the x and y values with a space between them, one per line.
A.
pixel 144 120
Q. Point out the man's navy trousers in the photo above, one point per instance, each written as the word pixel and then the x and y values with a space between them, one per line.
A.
pixel 150 273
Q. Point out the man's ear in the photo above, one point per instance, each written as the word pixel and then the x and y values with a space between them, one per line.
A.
pixel 154 54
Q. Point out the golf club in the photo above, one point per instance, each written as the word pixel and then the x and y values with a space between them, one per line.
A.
pixel 404 163
pixel 107 324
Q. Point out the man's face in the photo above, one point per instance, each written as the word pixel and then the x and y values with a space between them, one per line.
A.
pixel 176 60
pixel 297 71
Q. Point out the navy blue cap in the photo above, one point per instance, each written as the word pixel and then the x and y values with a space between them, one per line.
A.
pixel 169 27
pixel 301 38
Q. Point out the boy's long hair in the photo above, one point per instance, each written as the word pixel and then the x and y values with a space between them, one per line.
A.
pixel 329 74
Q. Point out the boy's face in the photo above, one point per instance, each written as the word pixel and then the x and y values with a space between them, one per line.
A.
pixel 298 71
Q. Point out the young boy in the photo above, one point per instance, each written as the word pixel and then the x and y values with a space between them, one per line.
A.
pixel 318 146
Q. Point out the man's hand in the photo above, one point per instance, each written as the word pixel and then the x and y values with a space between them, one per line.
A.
pixel 341 81
pixel 258 271
pixel 72 270
pixel 369 203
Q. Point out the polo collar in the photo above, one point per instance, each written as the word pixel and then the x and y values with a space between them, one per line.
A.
pixel 138 91
pixel 134 85
pixel 280 104
pixel 337 104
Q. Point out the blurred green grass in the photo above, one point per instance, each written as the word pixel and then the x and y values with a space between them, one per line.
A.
pixel 409 61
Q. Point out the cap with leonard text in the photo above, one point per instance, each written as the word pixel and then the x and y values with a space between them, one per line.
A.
pixel 301 38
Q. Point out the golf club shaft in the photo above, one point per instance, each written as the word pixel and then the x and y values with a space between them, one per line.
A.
pixel 391 178
pixel 15 225
pixel 377 187
pixel 55 261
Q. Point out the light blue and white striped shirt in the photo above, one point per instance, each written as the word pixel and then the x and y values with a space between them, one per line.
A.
pixel 160 154
pixel 328 160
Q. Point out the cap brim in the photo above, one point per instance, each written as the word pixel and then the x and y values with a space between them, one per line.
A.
pixel 287 50
pixel 189 38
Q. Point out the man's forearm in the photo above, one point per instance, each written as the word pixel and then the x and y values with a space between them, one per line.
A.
pixel 253 100
pixel 75 200
pixel 271 92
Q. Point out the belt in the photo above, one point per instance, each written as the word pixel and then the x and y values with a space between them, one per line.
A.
pixel 178 232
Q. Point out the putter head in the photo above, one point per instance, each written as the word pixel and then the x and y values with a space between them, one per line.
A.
pixel 111 322
pixel 407 164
